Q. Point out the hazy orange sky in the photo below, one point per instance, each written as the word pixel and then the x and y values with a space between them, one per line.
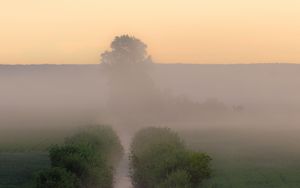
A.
pixel 186 31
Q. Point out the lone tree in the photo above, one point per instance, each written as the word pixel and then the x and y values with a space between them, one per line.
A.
pixel 132 93
pixel 126 51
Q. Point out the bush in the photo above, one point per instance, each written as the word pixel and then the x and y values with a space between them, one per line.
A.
pixel 101 139
pixel 89 155
pixel 56 178
pixel 82 161
pixel 159 157
pixel 177 179
pixel 147 138
pixel 198 166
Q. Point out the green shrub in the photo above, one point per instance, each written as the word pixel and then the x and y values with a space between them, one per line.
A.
pixel 177 179
pixel 89 155
pixel 56 177
pixel 198 166
pixel 158 157
pixel 147 138
pixel 82 161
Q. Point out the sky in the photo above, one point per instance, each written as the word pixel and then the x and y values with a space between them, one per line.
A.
pixel 176 31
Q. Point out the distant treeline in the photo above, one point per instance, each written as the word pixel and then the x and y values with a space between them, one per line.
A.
pixel 159 159
pixel 84 160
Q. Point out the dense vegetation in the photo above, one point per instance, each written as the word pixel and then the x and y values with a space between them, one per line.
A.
pixel 85 160
pixel 159 159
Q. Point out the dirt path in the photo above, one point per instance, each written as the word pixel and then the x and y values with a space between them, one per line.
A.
pixel 122 179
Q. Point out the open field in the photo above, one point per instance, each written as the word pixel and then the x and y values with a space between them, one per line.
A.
pixel 243 158
pixel 18 169
pixel 23 153
pixel 250 158
pixel 32 139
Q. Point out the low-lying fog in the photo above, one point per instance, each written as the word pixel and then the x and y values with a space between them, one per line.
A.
pixel 194 96
pixel 247 111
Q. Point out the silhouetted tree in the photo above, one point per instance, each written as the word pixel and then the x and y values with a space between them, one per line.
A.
pixel 133 96
pixel 132 92
pixel 126 51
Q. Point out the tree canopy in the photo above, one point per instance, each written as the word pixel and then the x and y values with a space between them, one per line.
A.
pixel 126 51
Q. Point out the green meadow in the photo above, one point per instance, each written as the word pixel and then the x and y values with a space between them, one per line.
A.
pixel 23 153
pixel 242 158
pixel 249 158
pixel 17 169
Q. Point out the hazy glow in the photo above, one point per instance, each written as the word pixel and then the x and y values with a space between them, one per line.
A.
pixel 190 31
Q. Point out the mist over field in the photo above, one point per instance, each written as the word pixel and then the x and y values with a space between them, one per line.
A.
pixel 242 117
pixel 149 94
pixel 258 95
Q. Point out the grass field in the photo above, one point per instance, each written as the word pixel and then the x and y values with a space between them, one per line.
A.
pixel 23 153
pixel 250 159
pixel 32 139
pixel 18 169
pixel 241 158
